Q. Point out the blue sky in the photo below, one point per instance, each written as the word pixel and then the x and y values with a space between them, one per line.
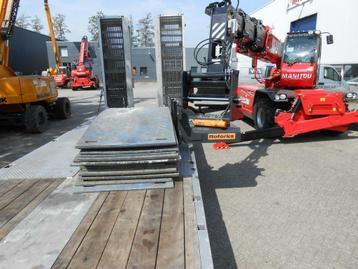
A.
pixel 78 11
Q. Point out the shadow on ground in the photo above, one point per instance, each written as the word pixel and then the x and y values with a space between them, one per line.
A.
pixel 243 174
pixel 239 175
pixel 15 142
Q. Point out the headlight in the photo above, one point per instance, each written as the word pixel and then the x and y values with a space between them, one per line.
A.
pixel 317 32
pixel 351 96
pixel 281 97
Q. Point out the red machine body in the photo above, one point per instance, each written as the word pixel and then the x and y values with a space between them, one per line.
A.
pixel 289 97
pixel 82 76
pixel 62 78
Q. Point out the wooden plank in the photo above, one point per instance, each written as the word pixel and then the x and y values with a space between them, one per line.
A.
pixel 10 196
pixel 65 257
pixel 11 210
pixel 145 244
pixel 7 185
pixel 171 243
pixel 38 239
pixel 120 243
pixel 192 254
pixel 91 249
pixel 28 209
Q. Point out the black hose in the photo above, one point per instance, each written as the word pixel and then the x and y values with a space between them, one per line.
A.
pixel 226 47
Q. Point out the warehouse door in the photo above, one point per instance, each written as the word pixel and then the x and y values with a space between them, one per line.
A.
pixel 305 24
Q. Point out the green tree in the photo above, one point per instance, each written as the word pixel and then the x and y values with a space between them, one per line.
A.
pixel 93 27
pixel 145 31
pixel 60 27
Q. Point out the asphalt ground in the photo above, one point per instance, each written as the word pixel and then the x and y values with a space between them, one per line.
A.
pixel 284 203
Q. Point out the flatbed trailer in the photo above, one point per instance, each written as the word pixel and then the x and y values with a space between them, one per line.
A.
pixel 45 224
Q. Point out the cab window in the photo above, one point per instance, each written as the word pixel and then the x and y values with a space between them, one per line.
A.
pixel 331 73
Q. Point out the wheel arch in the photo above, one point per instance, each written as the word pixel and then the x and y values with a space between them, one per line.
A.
pixel 263 93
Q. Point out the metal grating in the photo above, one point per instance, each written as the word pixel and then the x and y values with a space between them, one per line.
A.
pixel 51 161
pixel 172 56
pixel 116 55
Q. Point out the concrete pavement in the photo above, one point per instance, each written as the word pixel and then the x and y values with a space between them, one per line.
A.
pixel 269 204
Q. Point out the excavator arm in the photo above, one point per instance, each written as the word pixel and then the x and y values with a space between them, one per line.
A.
pixel 8 16
pixel 52 35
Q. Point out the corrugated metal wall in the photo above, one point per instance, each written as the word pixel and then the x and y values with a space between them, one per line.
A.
pixel 144 58
pixel 28 53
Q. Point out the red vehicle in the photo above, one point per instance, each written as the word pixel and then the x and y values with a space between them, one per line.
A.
pixel 62 77
pixel 288 102
pixel 82 77
pixel 290 97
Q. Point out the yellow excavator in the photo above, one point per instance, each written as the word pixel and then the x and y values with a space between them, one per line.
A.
pixel 25 100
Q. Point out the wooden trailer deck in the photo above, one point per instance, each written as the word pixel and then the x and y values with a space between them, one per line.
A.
pixel 138 229
pixel 18 198
pixel 44 224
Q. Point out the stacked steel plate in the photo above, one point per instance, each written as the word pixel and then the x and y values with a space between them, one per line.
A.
pixel 128 148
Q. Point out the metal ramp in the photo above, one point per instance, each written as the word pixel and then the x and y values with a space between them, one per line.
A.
pixel 128 148
pixel 51 161
pixel 170 55
pixel 115 46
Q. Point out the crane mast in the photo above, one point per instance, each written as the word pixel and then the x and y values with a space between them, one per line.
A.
pixel 82 76
pixel 84 54
pixel 8 16
pixel 52 35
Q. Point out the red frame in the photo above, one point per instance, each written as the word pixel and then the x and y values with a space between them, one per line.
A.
pixel 319 110
pixel 81 76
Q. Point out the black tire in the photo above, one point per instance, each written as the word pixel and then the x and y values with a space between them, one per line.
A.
pixel 36 119
pixel 264 113
pixel 63 108
pixel 74 89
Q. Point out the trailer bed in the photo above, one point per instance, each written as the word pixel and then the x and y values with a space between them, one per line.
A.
pixel 44 224
pixel 138 229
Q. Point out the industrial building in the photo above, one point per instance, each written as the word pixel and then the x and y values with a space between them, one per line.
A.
pixel 28 58
pixel 327 16
pixel 143 59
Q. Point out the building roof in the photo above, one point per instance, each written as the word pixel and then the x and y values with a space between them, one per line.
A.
pixel 23 29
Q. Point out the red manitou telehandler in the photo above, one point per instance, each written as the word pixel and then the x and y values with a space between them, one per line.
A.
pixel 82 76
pixel 284 104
